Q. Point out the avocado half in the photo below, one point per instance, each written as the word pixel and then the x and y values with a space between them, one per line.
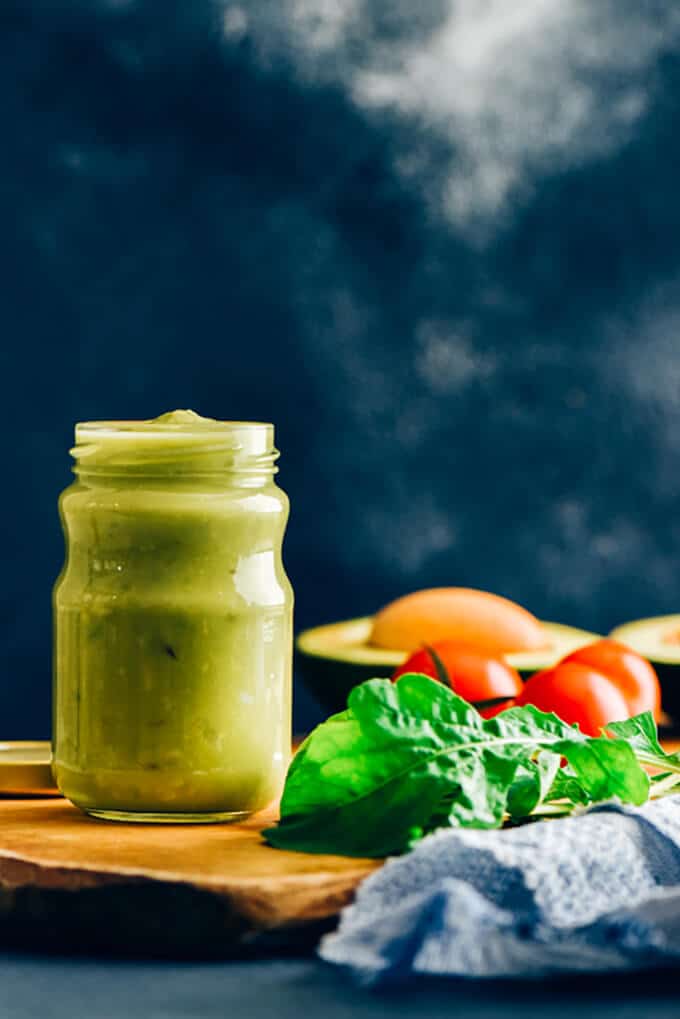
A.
pixel 332 659
pixel 649 637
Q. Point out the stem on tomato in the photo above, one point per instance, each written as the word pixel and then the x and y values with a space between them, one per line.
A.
pixel 441 670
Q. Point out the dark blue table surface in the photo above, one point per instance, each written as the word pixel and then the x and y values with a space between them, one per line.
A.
pixel 65 988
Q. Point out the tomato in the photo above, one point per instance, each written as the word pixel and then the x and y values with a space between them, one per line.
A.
pixel 472 674
pixel 629 671
pixel 578 694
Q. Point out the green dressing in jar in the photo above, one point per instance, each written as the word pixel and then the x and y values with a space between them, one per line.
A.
pixel 173 622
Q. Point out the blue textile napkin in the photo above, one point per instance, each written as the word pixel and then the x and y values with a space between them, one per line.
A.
pixel 592 892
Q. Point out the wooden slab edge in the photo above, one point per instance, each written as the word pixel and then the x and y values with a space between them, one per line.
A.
pixel 70 883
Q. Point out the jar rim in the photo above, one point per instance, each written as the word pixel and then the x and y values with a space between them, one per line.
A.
pixel 178 439
pixel 186 422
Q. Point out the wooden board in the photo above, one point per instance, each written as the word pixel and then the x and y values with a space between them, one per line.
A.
pixel 70 882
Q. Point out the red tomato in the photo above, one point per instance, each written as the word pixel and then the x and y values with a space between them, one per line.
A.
pixel 472 673
pixel 578 695
pixel 629 671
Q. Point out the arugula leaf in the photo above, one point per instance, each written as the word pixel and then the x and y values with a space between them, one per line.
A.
pixel 640 732
pixel 406 758
pixel 364 780
pixel 567 787
pixel 606 768
pixel 533 782
pixel 602 767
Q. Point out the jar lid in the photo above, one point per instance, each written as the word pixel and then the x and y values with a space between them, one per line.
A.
pixel 25 768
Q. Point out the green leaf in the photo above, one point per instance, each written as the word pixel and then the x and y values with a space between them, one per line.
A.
pixel 601 768
pixel 532 784
pixel 364 780
pixel 606 768
pixel 529 722
pixel 483 780
pixel 640 732
pixel 567 787
pixel 408 757
pixel 377 825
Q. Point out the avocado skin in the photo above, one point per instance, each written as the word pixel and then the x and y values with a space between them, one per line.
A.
pixel 636 635
pixel 669 678
pixel 330 682
pixel 331 659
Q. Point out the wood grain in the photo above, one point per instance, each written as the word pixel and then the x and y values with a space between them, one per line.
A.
pixel 159 889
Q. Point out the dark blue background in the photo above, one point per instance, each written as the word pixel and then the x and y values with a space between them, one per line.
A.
pixel 439 250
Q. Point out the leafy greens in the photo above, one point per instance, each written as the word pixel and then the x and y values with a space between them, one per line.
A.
pixel 410 757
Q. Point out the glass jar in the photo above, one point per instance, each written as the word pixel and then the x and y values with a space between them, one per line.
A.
pixel 173 622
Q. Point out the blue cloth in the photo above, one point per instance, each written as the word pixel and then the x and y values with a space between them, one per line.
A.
pixel 597 891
